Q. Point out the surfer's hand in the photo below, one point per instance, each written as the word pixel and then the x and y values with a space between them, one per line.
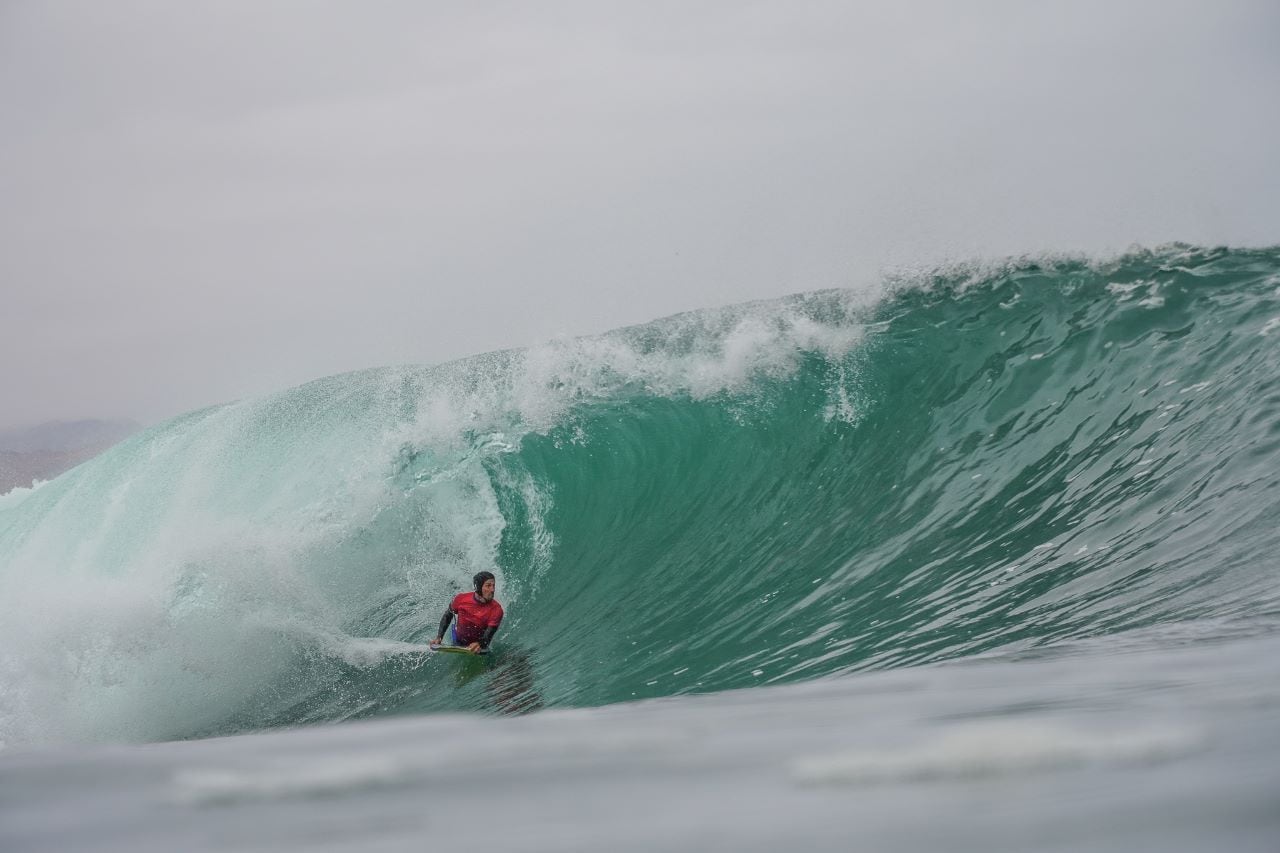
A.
pixel 437 641
pixel 474 648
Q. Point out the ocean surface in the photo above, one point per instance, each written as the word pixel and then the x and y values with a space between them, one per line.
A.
pixel 985 558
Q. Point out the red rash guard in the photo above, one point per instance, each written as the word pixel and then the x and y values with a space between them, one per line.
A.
pixel 474 617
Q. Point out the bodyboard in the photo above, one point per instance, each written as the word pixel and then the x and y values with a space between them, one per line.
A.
pixel 458 650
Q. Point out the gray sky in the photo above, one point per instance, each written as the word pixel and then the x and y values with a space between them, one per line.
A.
pixel 201 201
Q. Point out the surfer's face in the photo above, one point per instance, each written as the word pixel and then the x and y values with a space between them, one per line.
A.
pixel 486 590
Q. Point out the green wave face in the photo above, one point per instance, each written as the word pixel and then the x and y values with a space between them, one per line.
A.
pixel 1045 453
pixel 979 460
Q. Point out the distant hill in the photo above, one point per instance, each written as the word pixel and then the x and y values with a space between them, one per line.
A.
pixel 66 435
pixel 45 451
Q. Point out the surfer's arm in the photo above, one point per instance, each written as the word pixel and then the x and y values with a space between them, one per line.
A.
pixel 444 623
pixel 487 637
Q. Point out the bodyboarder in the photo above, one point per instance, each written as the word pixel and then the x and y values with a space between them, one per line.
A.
pixel 479 616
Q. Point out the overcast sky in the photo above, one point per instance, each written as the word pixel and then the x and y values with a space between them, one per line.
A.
pixel 202 201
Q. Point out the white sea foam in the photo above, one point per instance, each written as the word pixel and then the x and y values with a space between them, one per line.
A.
pixel 699 355
pixel 370 651
pixel 992 749
pixel 18 494
pixel 298 778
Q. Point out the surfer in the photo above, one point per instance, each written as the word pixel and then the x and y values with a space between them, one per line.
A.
pixel 479 616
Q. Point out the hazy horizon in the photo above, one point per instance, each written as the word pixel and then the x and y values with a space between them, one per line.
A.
pixel 213 201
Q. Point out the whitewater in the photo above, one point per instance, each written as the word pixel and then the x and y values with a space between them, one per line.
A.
pixel 982 558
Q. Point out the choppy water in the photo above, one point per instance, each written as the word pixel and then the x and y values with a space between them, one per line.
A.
pixel 1016 474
